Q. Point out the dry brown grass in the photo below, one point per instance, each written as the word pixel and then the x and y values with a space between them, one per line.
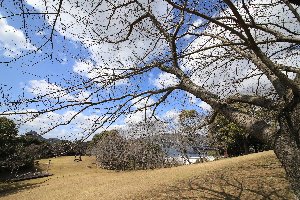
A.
pixel 256 176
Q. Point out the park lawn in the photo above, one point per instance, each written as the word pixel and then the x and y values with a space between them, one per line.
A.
pixel 255 176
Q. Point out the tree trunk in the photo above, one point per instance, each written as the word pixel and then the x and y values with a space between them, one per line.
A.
pixel 225 153
pixel 289 155
pixel 286 141
pixel 256 148
pixel 287 149
pixel 245 146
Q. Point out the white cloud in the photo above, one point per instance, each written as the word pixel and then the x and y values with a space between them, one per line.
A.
pixel 97 73
pixel 141 102
pixel 192 98
pixel 165 80
pixel 205 106
pixel 106 57
pixel 53 91
pixel 136 117
pixel 139 116
pixel 12 41
pixel 193 28
pixel 42 87
pixel 84 68
pixel 172 115
pixel 73 17
pixel 78 128
pixel 40 33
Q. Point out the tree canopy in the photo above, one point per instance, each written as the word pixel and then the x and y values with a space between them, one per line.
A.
pixel 14 154
pixel 8 133
pixel 8 129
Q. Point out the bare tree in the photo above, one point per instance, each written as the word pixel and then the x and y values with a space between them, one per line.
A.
pixel 221 52
pixel 114 151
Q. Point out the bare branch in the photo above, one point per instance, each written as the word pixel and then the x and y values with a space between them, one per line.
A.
pixel 55 20
pixel 294 11
pixel 195 12
pixel 254 100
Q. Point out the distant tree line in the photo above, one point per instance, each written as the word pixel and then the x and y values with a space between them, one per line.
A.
pixel 18 152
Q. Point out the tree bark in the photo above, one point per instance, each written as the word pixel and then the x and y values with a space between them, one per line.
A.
pixel 225 153
pixel 289 155
pixel 287 147
pixel 245 145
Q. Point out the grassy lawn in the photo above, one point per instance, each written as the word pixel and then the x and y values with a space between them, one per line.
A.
pixel 256 176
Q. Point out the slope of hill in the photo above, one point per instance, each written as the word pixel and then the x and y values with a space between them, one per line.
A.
pixel 255 176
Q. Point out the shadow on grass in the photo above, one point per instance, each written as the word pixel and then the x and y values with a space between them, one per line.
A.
pixel 240 183
pixel 8 187
pixel 227 188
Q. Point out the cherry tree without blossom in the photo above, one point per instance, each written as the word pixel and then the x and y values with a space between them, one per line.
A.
pixel 222 52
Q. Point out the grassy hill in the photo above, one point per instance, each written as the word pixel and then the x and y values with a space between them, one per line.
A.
pixel 255 176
